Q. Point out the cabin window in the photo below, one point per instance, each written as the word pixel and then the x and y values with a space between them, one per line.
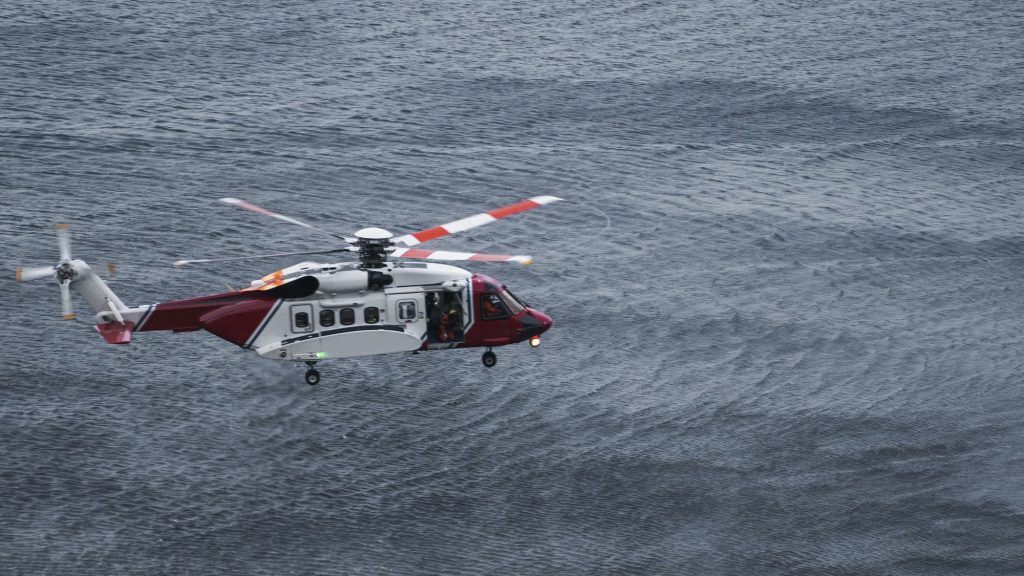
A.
pixel 492 307
pixel 371 315
pixel 326 318
pixel 347 316
pixel 302 315
pixel 407 310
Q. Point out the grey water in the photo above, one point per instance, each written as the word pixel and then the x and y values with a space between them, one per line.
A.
pixel 786 287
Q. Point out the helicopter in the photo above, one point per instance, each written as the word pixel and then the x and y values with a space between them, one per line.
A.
pixel 311 311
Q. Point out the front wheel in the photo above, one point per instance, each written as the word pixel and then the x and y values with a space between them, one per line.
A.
pixel 489 359
pixel 312 377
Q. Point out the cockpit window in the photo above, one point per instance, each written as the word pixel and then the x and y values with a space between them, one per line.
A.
pixel 517 298
pixel 492 307
pixel 513 304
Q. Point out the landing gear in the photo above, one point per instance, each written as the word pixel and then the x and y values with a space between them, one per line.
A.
pixel 312 375
pixel 489 358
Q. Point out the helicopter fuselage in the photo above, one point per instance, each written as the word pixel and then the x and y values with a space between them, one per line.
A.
pixel 311 312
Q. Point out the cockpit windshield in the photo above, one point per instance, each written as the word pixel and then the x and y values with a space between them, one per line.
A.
pixel 513 303
pixel 517 298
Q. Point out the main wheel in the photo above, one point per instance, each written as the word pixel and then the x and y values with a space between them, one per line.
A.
pixel 489 359
pixel 312 377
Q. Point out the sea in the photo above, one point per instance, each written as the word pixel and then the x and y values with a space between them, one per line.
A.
pixel 785 284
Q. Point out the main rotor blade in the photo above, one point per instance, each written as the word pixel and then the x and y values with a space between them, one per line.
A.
pixel 445 255
pixel 475 220
pixel 65 300
pixel 259 210
pixel 64 242
pixel 180 263
pixel 25 274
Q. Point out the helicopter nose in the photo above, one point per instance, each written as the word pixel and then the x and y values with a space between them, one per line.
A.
pixel 533 324
pixel 544 319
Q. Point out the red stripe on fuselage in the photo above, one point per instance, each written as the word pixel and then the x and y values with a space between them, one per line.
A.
pixel 237 322
pixel 183 315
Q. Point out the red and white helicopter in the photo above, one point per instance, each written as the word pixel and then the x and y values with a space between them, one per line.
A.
pixel 311 311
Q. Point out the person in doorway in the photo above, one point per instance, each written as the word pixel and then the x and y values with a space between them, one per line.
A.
pixel 454 322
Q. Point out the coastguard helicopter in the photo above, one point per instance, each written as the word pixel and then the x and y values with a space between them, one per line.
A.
pixel 310 312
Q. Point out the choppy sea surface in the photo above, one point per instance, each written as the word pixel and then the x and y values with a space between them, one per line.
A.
pixel 789 316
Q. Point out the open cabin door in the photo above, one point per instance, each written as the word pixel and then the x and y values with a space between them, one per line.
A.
pixel 446 317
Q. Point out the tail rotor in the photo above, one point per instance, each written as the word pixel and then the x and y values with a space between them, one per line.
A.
pixel 64 271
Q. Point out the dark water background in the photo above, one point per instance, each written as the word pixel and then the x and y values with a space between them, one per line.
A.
pixel 795 350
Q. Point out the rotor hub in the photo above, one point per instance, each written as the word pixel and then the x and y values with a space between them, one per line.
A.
pixel 374 246
pixel 65 272
pixel 378 234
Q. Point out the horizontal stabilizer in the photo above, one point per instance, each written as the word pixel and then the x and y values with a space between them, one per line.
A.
pixel 116 332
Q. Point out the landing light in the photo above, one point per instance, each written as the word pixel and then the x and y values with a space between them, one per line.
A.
pixel 534 341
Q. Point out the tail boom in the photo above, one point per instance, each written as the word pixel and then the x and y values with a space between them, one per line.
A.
pixel 233 316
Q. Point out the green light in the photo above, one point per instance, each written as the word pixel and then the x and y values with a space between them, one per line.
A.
pixel 321 355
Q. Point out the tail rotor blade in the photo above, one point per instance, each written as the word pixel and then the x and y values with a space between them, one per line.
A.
pixel 65 300
pixel 26 274
pixel 64 242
